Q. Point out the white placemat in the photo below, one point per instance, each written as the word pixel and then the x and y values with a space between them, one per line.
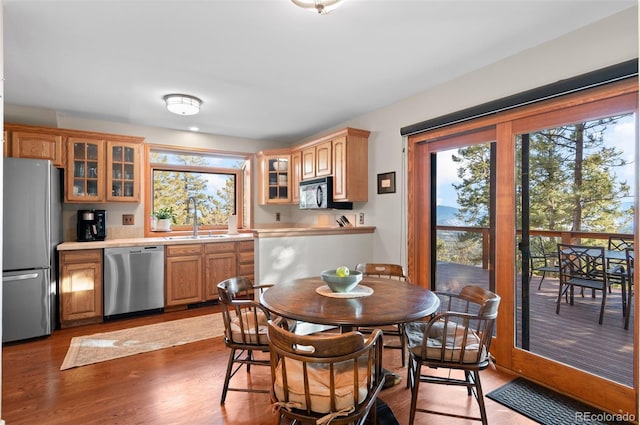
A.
pixel 357 292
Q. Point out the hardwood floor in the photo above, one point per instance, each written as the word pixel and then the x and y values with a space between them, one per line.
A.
pixel 179 385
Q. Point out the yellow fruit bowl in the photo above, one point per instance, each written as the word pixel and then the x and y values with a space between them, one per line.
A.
pixel 341 283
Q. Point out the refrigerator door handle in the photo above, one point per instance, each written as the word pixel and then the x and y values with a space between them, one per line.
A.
pixel 19 277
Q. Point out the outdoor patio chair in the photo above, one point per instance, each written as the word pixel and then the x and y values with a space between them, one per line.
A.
pixel 323 379
pixel 583 267
pixel 627 272
pixel 245 329
pixel 631 260
pixel 393 272
pixel 617 243
pixel 540 261
pixel 457 338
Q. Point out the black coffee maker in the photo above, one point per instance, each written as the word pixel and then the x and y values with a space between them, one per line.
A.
pixel 92 225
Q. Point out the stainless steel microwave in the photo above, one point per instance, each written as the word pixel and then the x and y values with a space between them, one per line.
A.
pixel 317 194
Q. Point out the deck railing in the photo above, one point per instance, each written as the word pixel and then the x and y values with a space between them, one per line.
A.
pixel 567 237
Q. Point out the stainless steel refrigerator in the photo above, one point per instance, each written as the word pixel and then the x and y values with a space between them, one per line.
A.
pixel 32 230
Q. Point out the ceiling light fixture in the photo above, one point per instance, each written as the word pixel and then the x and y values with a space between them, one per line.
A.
pixel 321 6
pixel 182 104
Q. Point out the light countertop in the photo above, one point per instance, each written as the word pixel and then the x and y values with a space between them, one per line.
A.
pixel 272 232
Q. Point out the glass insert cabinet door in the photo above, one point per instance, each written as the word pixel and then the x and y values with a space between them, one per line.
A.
pixel 278 178
pixel 86 174
pixel 123 175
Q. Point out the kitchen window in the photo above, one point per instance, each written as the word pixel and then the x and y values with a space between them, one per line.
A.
pixel 214 179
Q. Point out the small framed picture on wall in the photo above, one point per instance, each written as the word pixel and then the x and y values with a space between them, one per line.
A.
pixel 387 182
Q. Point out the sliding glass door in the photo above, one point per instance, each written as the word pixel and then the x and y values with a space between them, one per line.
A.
pixel 483 194
pixel 575 186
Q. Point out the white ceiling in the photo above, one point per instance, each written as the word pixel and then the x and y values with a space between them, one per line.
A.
pixel 265 69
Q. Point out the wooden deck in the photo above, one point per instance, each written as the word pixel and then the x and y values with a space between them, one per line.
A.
pixel 574 336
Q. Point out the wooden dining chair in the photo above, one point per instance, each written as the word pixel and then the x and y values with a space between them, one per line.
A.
pixel 458 337
pixel 392 272
pixel 334 378
pixel 245 329
pixel 583 267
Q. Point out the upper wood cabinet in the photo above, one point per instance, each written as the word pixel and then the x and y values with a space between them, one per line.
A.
pixel 343 154
pixel 84 176
pixel 274 177
pixel 99 167
pixel 317 161
pixel 350 152
pixel 35 143
pixel 296 175
pixel 101 170
pixel 123 172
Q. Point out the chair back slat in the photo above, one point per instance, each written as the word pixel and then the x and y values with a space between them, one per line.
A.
pixel 391 271
pixel 244 319
pixel 335 373
pixel 620 243
pixel 582 262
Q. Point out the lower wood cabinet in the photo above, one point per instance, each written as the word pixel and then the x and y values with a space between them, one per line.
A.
pixel 80 287
pixel 193 271
pixel 244 252
pixel 183 274
pixel 219 264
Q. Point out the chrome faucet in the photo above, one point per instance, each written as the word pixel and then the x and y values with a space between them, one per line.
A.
pixel 195 215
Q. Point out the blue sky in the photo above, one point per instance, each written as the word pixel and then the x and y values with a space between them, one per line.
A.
pixel 622 136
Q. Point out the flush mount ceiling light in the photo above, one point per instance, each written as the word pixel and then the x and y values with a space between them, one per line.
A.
pixel 321 6
pixel 182 104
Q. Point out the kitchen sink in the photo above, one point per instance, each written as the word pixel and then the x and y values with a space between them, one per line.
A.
pixel 182 238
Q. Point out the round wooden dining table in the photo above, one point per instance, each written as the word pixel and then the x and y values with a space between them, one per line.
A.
pixel 388 302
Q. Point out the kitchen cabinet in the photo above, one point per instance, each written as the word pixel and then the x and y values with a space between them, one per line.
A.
pixel 316 160
pixel 102 170
pixel 36 145
pixel 80 287
pixel 183 274
pixel 220 264
pixel 274 177
pixel 193 271
pixel 349 157
pixel 246 264
pixel 343 154
pixel 84 177
pixel 296 175
pixel 123 172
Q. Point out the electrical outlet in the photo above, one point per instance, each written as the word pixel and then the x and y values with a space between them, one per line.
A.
pixel 127 219
pixel 277 216
pixel 361 219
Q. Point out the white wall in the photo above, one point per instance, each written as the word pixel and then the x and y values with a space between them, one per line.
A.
pixel 608 42
pixel 280 260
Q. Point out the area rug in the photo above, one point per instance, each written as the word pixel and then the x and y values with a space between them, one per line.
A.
pixel 548 407
pixel 105 346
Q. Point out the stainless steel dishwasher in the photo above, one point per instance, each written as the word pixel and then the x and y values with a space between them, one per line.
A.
pixel 133 279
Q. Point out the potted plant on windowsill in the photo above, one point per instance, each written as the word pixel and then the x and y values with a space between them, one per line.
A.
pixel 165 217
